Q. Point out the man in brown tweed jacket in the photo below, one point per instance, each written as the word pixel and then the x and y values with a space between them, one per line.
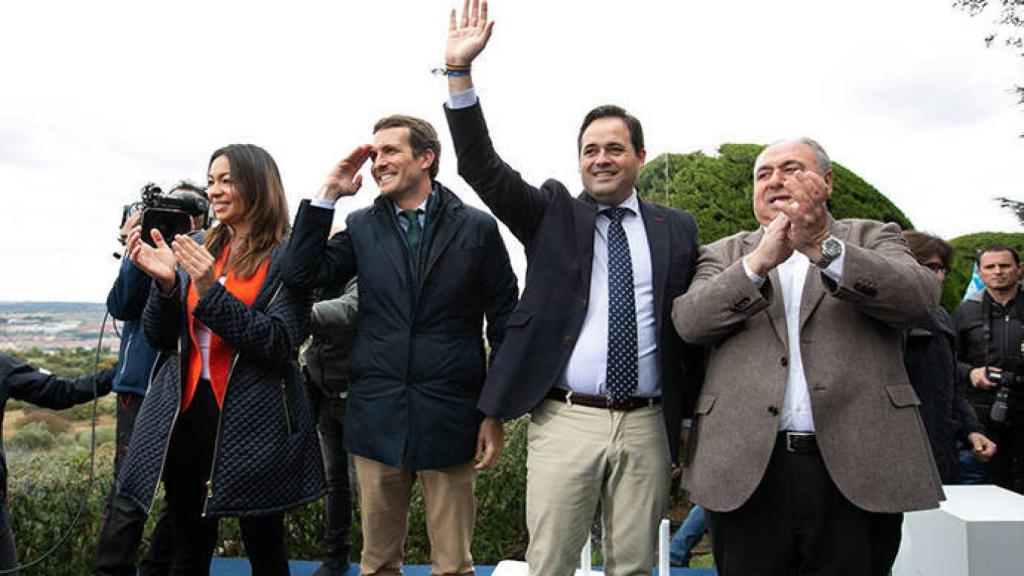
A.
pixel 807 445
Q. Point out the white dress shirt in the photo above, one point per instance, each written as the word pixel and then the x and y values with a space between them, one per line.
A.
pixel 796 413
pixel 588 365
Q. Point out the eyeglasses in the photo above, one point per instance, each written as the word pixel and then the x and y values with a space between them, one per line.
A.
pixel 936 267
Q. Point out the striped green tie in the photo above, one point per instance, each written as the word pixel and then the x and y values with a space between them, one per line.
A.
pixel 413 234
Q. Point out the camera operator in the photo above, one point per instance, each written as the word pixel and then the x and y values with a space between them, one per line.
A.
pixel 991 363
pixel 121 533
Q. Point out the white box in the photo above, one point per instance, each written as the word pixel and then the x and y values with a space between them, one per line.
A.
pixel 977 531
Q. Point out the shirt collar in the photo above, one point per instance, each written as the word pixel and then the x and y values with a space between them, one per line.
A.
pixel 422 208
pixel 632 202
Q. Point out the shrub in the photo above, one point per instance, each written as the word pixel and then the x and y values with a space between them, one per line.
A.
pixel 46 488
pixel 33 436
pixel 45 491
pixel 54 423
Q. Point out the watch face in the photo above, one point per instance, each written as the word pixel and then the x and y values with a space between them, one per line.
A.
pixel 831 248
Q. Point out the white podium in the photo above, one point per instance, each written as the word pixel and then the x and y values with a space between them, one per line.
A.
pixel 978 531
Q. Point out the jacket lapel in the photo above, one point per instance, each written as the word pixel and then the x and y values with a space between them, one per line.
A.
pixel 385 235
pixel 585 213
pixel 814 287
pixel 776 311
pixel 446 224
pixel 658 242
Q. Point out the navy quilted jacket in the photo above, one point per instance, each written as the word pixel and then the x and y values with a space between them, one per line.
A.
pixel 267 456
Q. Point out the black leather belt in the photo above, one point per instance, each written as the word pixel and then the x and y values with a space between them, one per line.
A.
pixel 606 402
pixel 799 442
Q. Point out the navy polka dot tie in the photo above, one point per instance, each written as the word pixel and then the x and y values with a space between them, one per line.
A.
pixel 622 347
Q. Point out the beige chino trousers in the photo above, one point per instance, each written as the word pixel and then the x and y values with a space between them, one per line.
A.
pixel 385 494
pixel 579 456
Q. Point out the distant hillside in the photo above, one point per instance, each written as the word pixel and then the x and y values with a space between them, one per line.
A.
pixel 54 325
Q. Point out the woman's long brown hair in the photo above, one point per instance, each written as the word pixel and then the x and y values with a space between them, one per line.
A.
pixel 258 182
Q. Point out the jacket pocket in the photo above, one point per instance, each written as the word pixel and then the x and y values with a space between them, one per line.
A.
pixel 903 395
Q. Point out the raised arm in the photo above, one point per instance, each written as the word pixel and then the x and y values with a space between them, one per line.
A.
pixel 511 199
pixel 312 261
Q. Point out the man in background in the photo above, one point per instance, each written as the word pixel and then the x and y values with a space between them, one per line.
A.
pixel 990 339
pixel 121 532
pixel 333 327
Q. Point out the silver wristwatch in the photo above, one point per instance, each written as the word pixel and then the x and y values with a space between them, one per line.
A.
pixel 831 248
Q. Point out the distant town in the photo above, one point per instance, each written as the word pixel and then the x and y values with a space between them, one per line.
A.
pixel 54 325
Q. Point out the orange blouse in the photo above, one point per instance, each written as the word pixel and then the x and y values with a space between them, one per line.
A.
pixel 220 352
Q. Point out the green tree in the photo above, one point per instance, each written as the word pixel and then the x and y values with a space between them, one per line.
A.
pixel 717 190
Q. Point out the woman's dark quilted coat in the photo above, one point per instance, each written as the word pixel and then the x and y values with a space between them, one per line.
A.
pixel 267 457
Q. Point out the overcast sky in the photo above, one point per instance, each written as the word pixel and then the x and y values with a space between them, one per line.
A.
pixel 97 98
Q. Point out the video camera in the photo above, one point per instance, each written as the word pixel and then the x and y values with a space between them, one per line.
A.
pixel 171 215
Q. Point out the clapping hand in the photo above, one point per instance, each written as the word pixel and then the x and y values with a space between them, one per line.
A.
pixel 197 262
pixel 807 213
pixel 157 261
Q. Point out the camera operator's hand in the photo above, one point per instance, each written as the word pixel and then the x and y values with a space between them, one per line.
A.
pixel 158 262
pixel 983 448
pixel 345 179
pixel 197 262
pixel 979 380
pixel 129 223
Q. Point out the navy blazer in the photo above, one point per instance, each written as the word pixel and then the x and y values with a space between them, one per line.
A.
pixel 557 232
pixel 418 362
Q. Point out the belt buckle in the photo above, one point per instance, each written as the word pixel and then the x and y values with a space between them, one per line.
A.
pixel 612 403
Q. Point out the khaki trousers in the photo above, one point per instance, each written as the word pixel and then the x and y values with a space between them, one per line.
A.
pixel 384 497
pixel 579 456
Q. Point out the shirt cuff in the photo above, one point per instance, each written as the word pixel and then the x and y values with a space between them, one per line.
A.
pixel 463 99
pixel 322 203
pixel 758 280
pixel 835 269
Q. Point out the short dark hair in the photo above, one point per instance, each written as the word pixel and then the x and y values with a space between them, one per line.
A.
pixel 191 187
pixel 636 132
pixel 997 248
pixel 422 136
pixel 925 245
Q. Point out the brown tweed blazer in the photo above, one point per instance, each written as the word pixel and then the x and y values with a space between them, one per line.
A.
pixel 865 411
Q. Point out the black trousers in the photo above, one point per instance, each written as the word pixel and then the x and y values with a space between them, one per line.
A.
pixel 121 532
pixel 330 419
pixel 797 523
pixel 1006 468
pixel 189 460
